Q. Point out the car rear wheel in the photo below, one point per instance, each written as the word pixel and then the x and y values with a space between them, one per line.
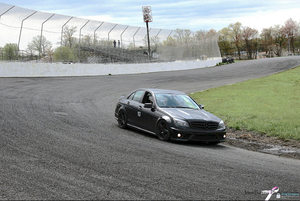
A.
pixel 122 119
pixel 163 130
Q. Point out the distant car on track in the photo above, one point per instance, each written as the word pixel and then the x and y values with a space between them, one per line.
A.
pixel 228 60
pixel 171 115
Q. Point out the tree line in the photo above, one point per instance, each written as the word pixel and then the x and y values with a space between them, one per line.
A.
pixel 273 41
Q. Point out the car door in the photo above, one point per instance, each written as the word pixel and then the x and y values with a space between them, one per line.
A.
pixel 133 103
pixel 147 117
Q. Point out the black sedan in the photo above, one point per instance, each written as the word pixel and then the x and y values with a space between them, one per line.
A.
pixel 169 115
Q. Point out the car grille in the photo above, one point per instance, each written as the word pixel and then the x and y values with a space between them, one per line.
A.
pixel 204 125
pixel 204 137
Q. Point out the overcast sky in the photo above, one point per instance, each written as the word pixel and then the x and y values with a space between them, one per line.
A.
pixel 172 14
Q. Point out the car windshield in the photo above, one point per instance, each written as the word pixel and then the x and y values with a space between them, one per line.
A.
pixel 175 101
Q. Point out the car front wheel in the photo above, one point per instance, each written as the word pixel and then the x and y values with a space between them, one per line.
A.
pixel 122 119
pixel 163 130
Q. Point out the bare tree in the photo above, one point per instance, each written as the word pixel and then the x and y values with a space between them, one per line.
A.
pixel 170 41
pixel 50 53
pixel 68 39
pixel 88 39
pixel 183 36
pixel 39 45
pixel 235 32
pixel 30 50
pixel 200 35
pixel 279 39
pixel 267 40
pixel 249 36
pixel 179 36
pixel 155 42
pixel 187 36
pixel 290 29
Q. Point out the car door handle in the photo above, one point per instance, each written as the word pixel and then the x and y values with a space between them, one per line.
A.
pixel 140 108
pixel 128 103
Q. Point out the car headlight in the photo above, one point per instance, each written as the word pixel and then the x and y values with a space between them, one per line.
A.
pixel 221 125
pixel 181 123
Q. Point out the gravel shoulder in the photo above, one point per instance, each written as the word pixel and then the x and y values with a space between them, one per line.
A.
pixel 262 143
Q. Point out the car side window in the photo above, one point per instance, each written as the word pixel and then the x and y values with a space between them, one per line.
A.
pixel 131 96
pixel 147 98
pixel 138 95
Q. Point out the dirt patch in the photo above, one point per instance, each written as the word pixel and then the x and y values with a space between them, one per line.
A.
pixel 262 143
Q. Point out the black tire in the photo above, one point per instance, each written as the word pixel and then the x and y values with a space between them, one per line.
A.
pixel 163 131
pixel 122 119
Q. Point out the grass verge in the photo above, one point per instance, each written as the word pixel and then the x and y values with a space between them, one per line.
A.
pixel 269 105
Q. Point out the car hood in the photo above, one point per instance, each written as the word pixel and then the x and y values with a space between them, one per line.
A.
pixel 190 114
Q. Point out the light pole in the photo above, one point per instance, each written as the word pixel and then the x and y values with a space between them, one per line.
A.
pixel 80 40
pixel 41 38
pixel 61 38
pixel 147 15
pixel 22 27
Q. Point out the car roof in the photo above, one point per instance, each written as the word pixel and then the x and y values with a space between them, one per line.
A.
pixel 161 91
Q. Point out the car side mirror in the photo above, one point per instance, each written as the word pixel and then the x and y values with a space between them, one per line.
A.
pixel 150 105
pixel 201 106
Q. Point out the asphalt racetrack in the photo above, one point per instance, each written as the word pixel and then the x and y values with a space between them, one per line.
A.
pixel 59 140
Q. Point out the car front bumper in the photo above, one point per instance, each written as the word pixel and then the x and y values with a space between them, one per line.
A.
pixel 198 135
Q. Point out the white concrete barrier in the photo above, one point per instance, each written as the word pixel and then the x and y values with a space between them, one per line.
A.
pixel 21 69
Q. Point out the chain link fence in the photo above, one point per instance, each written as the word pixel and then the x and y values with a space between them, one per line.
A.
pixel 32 36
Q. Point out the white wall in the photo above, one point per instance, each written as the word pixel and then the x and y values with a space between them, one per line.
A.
pixel 20 69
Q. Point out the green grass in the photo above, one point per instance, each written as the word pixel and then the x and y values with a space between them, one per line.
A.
pixel 269 105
